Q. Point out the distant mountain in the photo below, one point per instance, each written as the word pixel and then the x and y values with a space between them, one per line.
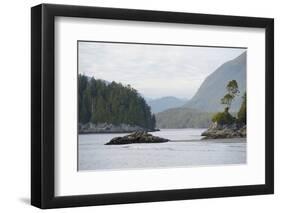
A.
pixel 208 96
pixel 183 118
pixel 164 103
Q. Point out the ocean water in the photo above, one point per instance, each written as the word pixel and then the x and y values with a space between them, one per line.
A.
pixel 185 150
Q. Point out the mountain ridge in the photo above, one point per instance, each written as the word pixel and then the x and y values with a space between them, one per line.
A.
pixel 207 98
pixel 198 111
pixel 161 104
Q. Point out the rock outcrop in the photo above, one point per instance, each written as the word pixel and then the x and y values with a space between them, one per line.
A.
pixel 217 131
pixel 110 128
pixel 137 137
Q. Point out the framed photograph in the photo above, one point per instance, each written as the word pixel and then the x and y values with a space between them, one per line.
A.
pixel 139 106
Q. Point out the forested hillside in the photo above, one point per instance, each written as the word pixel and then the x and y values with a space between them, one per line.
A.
pixel 112 103
pixel 183 118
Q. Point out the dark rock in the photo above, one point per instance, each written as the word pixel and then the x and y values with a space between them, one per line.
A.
pixel 137 137
pixel 216 131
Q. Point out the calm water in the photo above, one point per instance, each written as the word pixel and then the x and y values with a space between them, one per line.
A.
pixel 187 150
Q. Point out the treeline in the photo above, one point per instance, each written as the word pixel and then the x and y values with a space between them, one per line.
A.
pixel 242 114
pixel 114 103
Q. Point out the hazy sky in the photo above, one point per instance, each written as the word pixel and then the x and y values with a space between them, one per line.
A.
pixel 154 70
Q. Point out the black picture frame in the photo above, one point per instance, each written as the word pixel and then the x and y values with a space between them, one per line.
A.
pixel 43 102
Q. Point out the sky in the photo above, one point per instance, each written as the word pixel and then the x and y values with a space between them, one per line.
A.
pixel 154 70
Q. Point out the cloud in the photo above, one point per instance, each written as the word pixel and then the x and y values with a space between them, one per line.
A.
pixel 154 70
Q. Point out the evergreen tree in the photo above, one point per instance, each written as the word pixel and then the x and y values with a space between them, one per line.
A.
pixel 225 117
pixel 242 114
pixel 232 92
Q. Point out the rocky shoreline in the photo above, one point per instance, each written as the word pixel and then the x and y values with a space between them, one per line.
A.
pixel 217 131
pixel 91 128
pixel 137 137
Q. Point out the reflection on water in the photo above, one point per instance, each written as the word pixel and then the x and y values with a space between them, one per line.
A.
pixel 190 151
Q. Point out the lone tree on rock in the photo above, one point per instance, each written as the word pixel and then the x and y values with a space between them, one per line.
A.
pixel 232 92
pixel 225 117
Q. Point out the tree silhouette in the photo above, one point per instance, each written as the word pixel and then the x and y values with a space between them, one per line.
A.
pixel 232 92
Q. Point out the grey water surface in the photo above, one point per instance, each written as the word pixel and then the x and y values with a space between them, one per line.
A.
pixel 186 149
